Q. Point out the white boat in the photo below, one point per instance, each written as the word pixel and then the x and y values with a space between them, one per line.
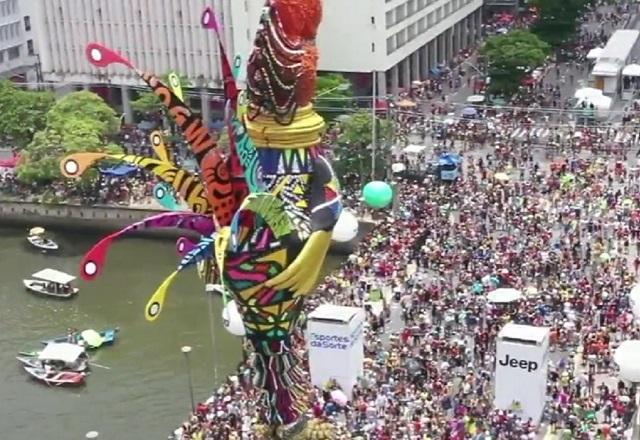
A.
pixel 59 356
pixel 37 239
pixel 51 282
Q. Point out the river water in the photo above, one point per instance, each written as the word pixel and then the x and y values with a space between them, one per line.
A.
pixel 145 393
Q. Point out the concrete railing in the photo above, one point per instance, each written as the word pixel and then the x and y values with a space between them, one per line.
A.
pixel 103 218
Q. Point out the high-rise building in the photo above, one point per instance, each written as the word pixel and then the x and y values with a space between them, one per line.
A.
pixel 401 40
pixel 17 51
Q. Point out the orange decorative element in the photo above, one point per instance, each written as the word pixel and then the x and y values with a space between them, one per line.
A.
pixel 306 87
pixel 299 18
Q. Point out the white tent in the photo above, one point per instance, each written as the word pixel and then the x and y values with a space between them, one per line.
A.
pixel 595 53
pixel 62 351
pixel 631 70
pixel 414 149
pixel 504 295
pixel 587 92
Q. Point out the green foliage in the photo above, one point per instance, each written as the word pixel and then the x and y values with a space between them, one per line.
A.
pixel 353 152
pixel 558 20
pixel 148 103
pixel 510 57
pixel 333 93
pixel 22 113
pixel 81 121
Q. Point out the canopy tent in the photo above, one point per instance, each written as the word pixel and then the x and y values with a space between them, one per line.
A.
pixel 595 53
pixel 475 99
pixel 54 276
pixel 504 295
pixel 414 149
pixel 600 102
pixel 586 92
pixel 631 70
pixel 449 159
pixel 63 351
pixel 627 357
pixel 606 68
pixel 469 112
pixel 118 170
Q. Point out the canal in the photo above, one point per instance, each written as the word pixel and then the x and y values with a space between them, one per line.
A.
pixel 144 394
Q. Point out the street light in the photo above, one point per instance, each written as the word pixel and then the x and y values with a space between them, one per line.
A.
pixel 186 350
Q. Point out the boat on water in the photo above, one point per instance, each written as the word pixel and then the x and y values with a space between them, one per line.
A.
pixel 38 240
pixel 89 339
pixel 61 356
pixel 56 378
pixel 51 282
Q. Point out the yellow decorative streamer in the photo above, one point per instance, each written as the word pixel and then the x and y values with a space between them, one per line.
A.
pixel 156 302
pixel 176 87
pixel 159 147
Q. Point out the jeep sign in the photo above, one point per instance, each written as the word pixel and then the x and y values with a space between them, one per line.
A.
pixel 515 363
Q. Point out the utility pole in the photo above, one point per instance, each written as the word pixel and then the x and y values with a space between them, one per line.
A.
pixel 373 126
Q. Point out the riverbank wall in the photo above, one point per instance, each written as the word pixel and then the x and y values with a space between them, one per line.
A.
pixel 105 218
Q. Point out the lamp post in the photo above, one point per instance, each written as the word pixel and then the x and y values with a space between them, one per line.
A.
pixel 373 125
pixel 186 350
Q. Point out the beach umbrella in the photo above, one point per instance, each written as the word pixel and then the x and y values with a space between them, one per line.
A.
pixel 36 231
pixel 377 194
pixel 346 229
pixel 339 397
pixel 92 338
pixel 504 295
pixel 627 357
pixel 503 177
pixel 232 319
pixel 469 112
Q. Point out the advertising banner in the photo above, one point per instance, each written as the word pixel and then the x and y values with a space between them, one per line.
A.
pixel 522 358
pixel 335 337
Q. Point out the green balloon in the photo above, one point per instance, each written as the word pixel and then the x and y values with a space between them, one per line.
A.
pixel 377 194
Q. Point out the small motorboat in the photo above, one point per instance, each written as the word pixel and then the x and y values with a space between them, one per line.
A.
pixel 51 282
pixel 38 240
pixel 89 339
pixel 57 378
pixel 61 356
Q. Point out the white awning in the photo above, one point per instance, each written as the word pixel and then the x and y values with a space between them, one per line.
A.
pixel 587 92
pixel 595 53
pixel 604 68
pixel 54 276
pixel 63 351
pixel 414 149
pixel 631 70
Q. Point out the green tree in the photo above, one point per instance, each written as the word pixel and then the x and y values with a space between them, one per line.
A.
pixel 80 121
pixel 353 152
pixel 333 94
pixel 558 20
pixel 147 103
pixel 510 57
pixel 23 113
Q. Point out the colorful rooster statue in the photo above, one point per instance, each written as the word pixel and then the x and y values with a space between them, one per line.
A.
pixel 265 209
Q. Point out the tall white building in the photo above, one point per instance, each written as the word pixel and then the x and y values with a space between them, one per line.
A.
pixel 399 39
pixel 17 51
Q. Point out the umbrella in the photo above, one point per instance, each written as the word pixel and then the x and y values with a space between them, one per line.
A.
pixel 631 70
pixel 398 167
pixel 469 111
pixel 604 257
pixel 36 231
pixel 504 295
pixel 567 179
pixel 475 99
pixel 339 397
pixel 92 338
pixel 501 176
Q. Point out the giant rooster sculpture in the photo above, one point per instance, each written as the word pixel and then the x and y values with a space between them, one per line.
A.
pixel 265 210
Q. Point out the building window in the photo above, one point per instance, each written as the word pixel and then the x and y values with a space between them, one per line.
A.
pixel 30 47
pixel 1 56
pixel 60 12
pixel 14 52
pixel 27 23
pixel 373 20
pixel 373 47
